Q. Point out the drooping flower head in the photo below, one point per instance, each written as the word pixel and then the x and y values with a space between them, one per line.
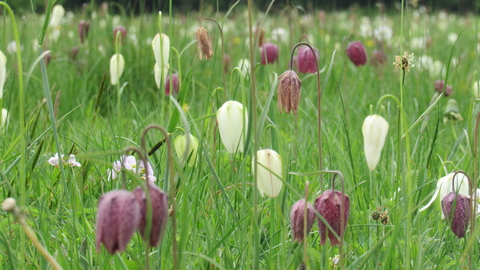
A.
pixel 123 33
pixel 440 85
pixel 269 172
pixel 289 91
pixel 374 129
pixel 175 84
pixel 457 211
pixel 297 219
pixel 306 60
pixel 56 16
pixel 334 207
pixel 117 219
pixel 83 28
pixel 356 53
pixel 159 213
pixel 117 64
pixel 232 119
pixel 269 53
pixel 180 144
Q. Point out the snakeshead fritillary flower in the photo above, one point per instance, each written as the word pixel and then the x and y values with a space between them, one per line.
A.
pixel 180 144
pixel 306 60
pixel 330 205
pixel 457 210
pixel 269 171
pixel 289 90
pixel 232 121
pixel 123 33
pixel 269 52
pixel 117 219
pixel 161 50
pixel 205 49
pixel 444 187
pixel 357 53
pixel 83 27
pixel 175 84
pixel 374 130
pixel 159 213
pixel 56 16
pixel 117 64
pixel 297 219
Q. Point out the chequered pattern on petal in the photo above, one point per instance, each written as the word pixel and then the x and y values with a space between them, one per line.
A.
pixel 329 206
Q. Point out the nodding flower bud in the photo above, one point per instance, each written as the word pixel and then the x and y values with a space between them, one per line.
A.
pixel 269 172
pixel 457 211
pixel 297 219
pixel 117 64
pixel 232 119
pixel 452 112
pixel 440 85
pixel 356 52
pixel 289 90
pixel 175 84
pixel 204 42
pixel 123 33
pixel 190 155
pixel 374 129
pixel 83 27
pixel 306 60
pixel 9 205
pixel 269 53
pixel 334 207
pixel 159 213
pixel 117 219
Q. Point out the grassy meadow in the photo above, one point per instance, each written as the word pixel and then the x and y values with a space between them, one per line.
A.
pixel 218 219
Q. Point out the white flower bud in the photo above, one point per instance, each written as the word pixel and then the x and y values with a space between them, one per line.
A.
pixel 3 72
pixel 180 144
pixel 374 130
pixel 232 121
pixel 56 16
pixel 9 204
pixel 117 64
pixel 161 50
pixel 269 171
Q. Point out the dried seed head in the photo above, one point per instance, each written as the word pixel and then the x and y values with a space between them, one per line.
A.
pixel 117 219
pixel 289 90
pixel 269 53
pixel 204 42
pixel 357 53
pixel 297 218
pixel 260 33
pixel 459 216
pixel 159 213
pixel 306 60
pixel 330 205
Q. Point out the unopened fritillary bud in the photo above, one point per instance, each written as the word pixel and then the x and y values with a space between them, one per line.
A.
pixel 334 207
pixel 269 172
pixel 297 219
pixel 289 90
pixel 159 213
pixel 83 27
pixel 306 60
pixel 117 219
pixel 175 84
pixel 204 42
pixel 180 144
pixel 232 119
pixel 356 53
pixel 374 129
pixel 269 52
pixel 440 85
pixel 457 211
pixel 117 64
pixel 123 33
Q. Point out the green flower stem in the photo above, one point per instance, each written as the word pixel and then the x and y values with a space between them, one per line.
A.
pixel 118 39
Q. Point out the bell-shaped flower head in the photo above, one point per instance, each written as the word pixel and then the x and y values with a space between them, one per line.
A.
pixel 297 219
pixel 306 60
pixel 117 64
pixel 356 53
pixel 289 90
pixel 56 16
pixel 159 213
pixel 374 130
pixel 457 210
pixel 269 172
pixel 123 33
pixel 117 219
pixel 4 119
pixel 444 187
pixel 83 28
pixel 330 205
pixel 269 52
pixel 190 155
pixel 175 84
pixel 161 50
pixel 232 119
pixel 205 49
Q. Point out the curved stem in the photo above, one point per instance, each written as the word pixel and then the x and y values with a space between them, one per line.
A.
pixel 166 185
pixel 319 103
pixel 384 97
pixel 223 53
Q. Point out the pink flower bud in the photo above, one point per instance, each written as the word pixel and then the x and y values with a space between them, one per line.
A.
pixel 289 90
pixel 269 53
pixel 73 53
pixel 378 58
pixel 120 29
pixel 297 219
pixel 334 206
pixel 117 219
pixel 458 217
pixel 440 84
pixel 159 213
pixel 175 84
pixel 306 60
pixel 83 28
pixel 356 52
